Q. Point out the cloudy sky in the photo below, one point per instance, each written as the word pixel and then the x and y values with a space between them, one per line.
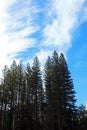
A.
pixel 38 27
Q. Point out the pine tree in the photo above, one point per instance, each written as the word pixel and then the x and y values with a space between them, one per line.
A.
pixel 29 97
pixel 21 96
pixel 48 94
pixel 5 99
pixel 13 93
pixel 56 91
pixel 82 118
pixel 37 91
pixel 60 94
pixel 28 72
pixel 25 105
pixel 53 92
pixel 67 96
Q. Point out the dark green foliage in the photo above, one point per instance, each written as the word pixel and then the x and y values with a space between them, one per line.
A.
pixel 48 94
pixel 59 93
pixel 67 95
pixel 81 118
pixel 29 103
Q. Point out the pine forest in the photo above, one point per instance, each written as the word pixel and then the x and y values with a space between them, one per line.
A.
pixel 32 99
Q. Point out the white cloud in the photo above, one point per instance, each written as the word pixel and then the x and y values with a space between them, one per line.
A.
pixel 43 54
pixel 16 26
pixel 18 21
pixel 84 13
pixel 62 20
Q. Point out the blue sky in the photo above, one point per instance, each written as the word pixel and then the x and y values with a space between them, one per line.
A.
pixel 38 27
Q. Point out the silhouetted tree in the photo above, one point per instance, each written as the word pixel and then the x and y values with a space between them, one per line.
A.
pixel 26 105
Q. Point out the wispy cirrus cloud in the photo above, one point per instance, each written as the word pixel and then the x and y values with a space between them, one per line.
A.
pixel 16 27
pixel 40 25
pixel 62 18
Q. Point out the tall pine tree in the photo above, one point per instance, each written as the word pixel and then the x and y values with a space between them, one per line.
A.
pixel 37 92
pixel 48 94
pixel 67 95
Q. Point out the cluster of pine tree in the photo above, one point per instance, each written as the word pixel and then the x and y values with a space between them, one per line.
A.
pixel 30 102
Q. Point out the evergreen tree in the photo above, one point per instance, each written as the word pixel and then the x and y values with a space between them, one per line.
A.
pixel 48 94
pixel 60 94
pixel 28 72
pixel 21 97
pixel 56 92
pixel 82 118
pixel 37 92
pixel 5 99
pixel 67 95
pixel 25 105
pixel 29 97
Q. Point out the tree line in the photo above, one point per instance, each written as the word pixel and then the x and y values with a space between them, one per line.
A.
pixel 30 100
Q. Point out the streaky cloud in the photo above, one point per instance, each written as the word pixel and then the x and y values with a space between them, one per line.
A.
pixel 16 26
pixel 62 19
pixel 46 26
